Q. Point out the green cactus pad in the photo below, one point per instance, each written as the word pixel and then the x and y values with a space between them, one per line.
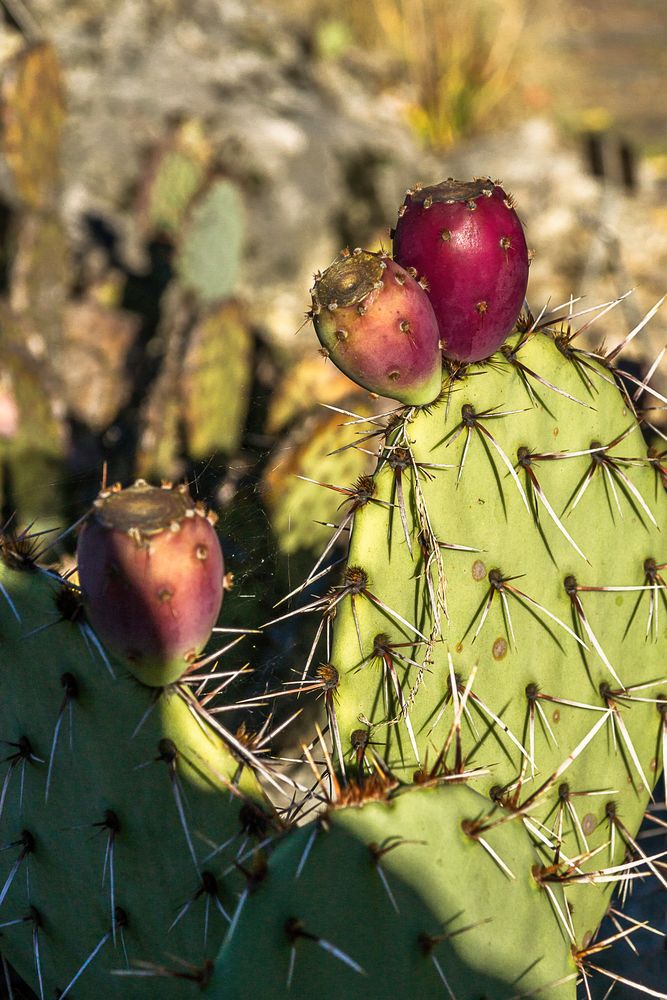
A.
pixel 32 452
pixel 40 275
pixel 159 451
pixel 300 512
pixel 482 566
pixel 175 176
pixel 33 111
pixel 103 782
pixel 311 379
pixel 395 897
pixel 211 247
pixel 216 382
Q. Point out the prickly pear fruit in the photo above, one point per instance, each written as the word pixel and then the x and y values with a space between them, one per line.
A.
pixel 151 571
pixel 468 242
pixel 378 327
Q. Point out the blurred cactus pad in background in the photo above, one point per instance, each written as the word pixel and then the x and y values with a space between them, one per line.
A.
pixel 413 733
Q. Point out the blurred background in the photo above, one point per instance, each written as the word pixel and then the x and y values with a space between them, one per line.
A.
pixel 172 173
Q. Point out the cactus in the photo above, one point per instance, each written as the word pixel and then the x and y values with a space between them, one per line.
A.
pixel 176 173
pixel 307 385
pixel 468 242
pixel 39 279
pixel 31 121
pixel 33 112
pixel 474 575
pixel 219 352
pixel 207 340
pixel 395 895
pixel 116 799
pixel 176 419
pixel 470 555
pixel 33 438
pixel 491 671
pixel 211 244
pixel 307 456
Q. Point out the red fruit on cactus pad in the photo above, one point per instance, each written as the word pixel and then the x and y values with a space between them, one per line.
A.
pixel 377 325
pixel 151 572
pixel 468 242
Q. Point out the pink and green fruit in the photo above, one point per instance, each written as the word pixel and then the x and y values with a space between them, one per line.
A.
pixel 151 571
pixel 375 322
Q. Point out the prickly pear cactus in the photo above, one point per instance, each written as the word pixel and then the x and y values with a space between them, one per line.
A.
pixel 498 618
pixel 176 173
pixel 33 436
pixel 509 561
pixel 306 458
pixel 124 809
pixel 219 353
pixel 211 247
pixel 491 668
pixel 33 111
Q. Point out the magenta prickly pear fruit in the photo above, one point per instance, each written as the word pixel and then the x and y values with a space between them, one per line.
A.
pixel 376 323
pixel 468 242
pixel 151 572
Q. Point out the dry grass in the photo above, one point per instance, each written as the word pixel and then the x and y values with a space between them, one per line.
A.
pixel 460 59
pixel 456 61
